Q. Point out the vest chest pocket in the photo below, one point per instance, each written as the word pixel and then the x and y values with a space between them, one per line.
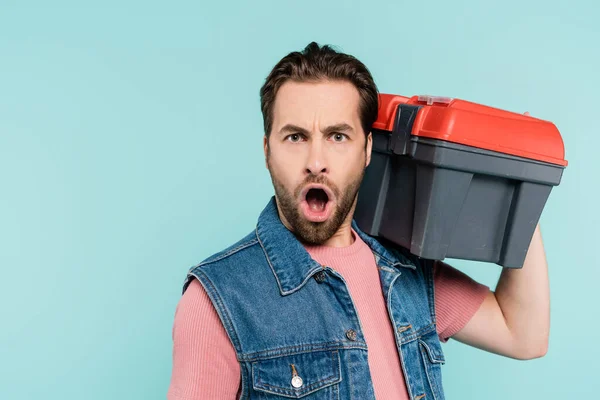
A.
pixel 311 376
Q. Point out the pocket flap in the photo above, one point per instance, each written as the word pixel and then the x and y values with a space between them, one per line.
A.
pixel 433 347
pixel 316 370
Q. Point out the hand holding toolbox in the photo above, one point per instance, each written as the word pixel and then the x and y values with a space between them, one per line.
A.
pixel 451 178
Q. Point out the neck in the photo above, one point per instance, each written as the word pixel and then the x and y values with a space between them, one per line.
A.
pixel 343 237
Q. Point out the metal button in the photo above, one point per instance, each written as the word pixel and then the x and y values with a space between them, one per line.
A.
pixel 320 277
pixel 351 334
pixel 297 382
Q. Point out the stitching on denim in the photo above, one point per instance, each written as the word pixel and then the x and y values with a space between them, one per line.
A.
pixel 308 277
pixel 347 293
pixel 393 263
pixel 289 392
pixel 328 380
pixel 398 337
pixel 405 265
pixel 309 387
pixel 299 349
pixel 268 260
pixel 225 255
pixel 398 256
pixel 373 241
pixel 417 334
pixel 430 353
pixel 430 289
pixel 339 369
pixel 425 365
pixel 281 290
pixel 382 257
pixel 386 269
pixel 350 380
pixel 221 309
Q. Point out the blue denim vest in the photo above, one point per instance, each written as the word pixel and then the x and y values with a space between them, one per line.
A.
pixel 295 328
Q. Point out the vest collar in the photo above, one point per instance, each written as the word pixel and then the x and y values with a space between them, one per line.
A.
pixel 290 262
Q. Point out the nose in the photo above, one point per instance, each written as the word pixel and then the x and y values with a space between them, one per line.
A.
pixel 316 162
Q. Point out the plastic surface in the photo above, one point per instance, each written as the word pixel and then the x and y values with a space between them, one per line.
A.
pixel 454 179
pixel 448 200
pixel 430 100
pixel 476 125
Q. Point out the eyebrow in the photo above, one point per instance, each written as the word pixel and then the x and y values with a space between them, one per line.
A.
pixel 291 128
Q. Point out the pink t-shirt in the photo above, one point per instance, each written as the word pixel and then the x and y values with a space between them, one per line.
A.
pixel 204 360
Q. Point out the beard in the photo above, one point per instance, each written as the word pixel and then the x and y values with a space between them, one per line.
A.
pixel 309 232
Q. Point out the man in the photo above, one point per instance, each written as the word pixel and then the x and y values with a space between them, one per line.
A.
pixel 307 305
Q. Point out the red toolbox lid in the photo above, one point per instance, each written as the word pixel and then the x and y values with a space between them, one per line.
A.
pixel 476 125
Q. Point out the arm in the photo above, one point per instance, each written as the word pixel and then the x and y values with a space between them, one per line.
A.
pixel 514 321
pixel 204 360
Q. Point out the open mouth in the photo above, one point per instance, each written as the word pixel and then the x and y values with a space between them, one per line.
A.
pixel 317 199
pixel 317 203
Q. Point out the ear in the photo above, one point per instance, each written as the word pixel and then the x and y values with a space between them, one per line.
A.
pixel 266 150
pixel 369 148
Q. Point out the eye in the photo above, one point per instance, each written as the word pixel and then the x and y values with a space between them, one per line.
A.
pixel 294 137
pixel 339 137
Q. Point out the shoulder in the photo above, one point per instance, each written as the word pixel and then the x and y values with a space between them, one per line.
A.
pixel 247 242
pixel 415 263
pixel 197 323
pixel 230 256
pixel 194 308
pixel 204 359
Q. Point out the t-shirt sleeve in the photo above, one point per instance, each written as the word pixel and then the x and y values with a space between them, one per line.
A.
pixel 457 299
pixel 204 360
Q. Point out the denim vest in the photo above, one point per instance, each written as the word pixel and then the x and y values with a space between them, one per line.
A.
pixel 295 328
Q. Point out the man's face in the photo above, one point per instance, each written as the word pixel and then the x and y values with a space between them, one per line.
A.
pixel 316 154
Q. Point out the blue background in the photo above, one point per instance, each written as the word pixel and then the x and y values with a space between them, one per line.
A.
pixel 131 149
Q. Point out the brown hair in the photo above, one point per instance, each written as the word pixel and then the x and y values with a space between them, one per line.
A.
pixel 317 63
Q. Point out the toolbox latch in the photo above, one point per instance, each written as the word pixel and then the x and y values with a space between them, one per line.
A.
pixel 400 139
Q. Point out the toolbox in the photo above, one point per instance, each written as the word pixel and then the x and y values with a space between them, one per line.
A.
pixel 452 178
